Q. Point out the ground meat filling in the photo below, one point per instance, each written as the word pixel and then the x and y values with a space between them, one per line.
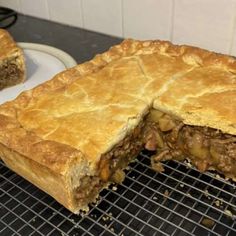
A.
pixel 110 168
pixel 207 148
pixel 9 74
pixel 89 187
pixel 113 162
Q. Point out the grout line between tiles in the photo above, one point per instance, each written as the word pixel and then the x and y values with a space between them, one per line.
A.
pixel 172 20
pixel 48 10
pixel 233 31
pixel 82 13
pixel 122 18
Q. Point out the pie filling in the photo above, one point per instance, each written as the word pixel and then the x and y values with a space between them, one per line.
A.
pixel 110 167
pixel 207 148
pixel 10 74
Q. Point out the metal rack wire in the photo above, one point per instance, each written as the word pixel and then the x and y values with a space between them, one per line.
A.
pixel 179 201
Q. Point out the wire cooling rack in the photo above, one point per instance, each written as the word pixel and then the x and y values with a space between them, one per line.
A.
pixel 180 201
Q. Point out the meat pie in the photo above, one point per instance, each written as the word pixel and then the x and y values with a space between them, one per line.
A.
pixel 12 65
pixel 73 135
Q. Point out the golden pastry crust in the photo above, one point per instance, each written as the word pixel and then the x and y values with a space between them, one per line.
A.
pixel 8 45
pixel 66 124
pixel 12 63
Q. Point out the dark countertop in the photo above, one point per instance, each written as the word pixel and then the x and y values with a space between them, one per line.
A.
pixel 79 43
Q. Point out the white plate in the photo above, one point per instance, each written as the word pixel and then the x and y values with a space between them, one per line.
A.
pixel 42 63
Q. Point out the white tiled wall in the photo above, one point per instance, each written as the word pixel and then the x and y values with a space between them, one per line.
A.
pixel 104 16
pixel 147 19
pixel 67 12
pixel 209 24
pixel 38 8
pixel 14 4
pixel 205 23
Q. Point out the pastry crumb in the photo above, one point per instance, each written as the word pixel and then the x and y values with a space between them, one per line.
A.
pixel 217 203
pixel 114 188
pixel 206 193
pixel 209 223
pixel 166 193
pixel 217 176
pixel 221 201
pixel 158 167
pixel 110 215
pixel 188 164
pixel 228 213
pixel 105 218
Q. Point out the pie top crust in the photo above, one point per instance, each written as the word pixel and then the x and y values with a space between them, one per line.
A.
pixel 84 111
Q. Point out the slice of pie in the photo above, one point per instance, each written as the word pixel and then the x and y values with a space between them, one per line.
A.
pixel 74 134
pixel 12 65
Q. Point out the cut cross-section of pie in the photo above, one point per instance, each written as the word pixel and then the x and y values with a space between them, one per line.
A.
pixel 12 64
